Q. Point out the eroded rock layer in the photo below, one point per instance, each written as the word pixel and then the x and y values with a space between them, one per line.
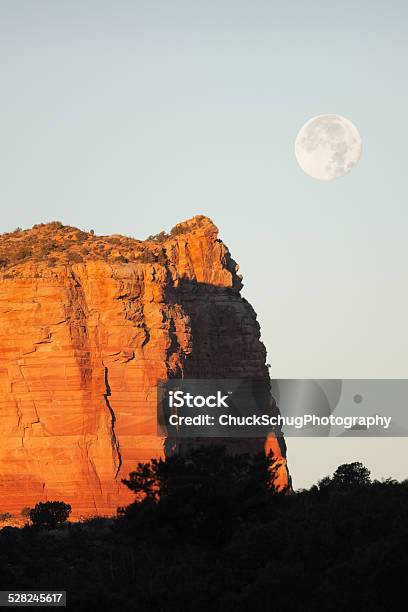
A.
pixel 88 325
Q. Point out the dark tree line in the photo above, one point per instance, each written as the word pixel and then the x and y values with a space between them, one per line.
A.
pixel 208 531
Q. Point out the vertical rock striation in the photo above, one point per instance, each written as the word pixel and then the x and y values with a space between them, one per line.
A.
pixel 88 325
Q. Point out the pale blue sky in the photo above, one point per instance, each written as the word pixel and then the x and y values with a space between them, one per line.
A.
pixel 131 116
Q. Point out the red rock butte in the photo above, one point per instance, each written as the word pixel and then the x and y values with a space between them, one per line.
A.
pixel 88 325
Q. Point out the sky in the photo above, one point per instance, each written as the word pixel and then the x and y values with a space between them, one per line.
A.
pixel 130 116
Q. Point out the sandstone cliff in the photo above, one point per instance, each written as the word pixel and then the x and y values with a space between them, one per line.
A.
pixel 88 325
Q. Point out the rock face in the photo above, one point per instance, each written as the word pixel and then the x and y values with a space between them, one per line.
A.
pixel 88 325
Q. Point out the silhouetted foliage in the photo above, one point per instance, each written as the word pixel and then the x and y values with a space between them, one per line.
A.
pixel 347 476
pixel 201 494
pixel 50 513
pixel 207 532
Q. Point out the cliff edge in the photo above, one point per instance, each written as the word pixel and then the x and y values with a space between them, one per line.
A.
pixel 88 325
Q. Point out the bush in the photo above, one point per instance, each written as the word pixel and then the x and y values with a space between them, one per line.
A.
pixel 22 254
pixel 161 237
pixel 74 257
pixel 25 512
pixel 203 494
pixel 55 225
pixel 146 257
pixel 347 476
pixel 217 539
pixel 5 516
pixel 80 236
pixel 182 228
pixel 177 230
pixel 50 514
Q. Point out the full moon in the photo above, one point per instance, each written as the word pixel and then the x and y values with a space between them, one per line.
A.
pixel 328 146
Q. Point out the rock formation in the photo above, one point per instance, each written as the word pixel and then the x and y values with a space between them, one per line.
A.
pixel 88 325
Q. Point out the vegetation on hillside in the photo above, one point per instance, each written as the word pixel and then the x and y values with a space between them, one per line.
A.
pixel 177 230
pixel 54 244
pixel 207 531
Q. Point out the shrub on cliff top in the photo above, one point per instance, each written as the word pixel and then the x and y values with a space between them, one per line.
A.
pixel 183 228
pixel 161 237
pixel 55 225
